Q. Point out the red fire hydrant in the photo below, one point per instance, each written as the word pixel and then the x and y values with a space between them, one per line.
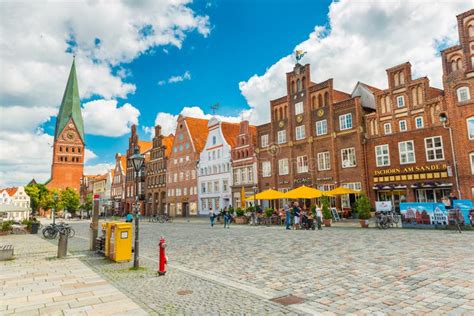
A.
pixel 163 258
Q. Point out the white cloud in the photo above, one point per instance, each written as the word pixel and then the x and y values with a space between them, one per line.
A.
pixel 21 118
pixel 99 168
pixel 363 39
pixel 175 79
pixel 105 118
pixel 89 155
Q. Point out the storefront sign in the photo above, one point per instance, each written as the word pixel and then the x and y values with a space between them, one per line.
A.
pixel 284 182
pixel 324 179
pixel 412 169
pixel 428 172
pixel 303 181
pixel 383 206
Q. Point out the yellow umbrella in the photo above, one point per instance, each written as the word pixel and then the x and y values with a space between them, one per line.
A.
pixel 242 197
pixel 342 191
pixel 304 192
pixel 267 195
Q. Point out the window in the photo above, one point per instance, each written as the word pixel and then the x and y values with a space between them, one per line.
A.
pixel 216 187
pixel 298 108
pixel 225 185
pixel 266 169
pixel 407 152
pixel 463 94
pixel 471 156
pixel 324 162
pixel 382 155
pixel 470 128
pixel 282 137
pixel 402 125
pixel 419 122
pixel 214 140
pixel 387 128
pixel 302 164
pixel 283 167
pixel 180 137
pixel 345 121
pixel 434 148
pixel 345 199
pixel 264 140
pixel 348 157
pixel 400 101
pixel 321 127
pixel 300 132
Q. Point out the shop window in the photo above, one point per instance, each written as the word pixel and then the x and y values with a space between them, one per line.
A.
pixel 321 127
pixel 264 141
pixel 298 108
pixel 463 94
pixel 402 125
pixel 300 132
pixel 345 121
pixel 283 167
pixel 302 164
pixel 419 122
pixel 406 152
pixel 346 198
pixel 470 128
pixel 324 162
pixel 266 169
pixel 281 137
pixel 382 155
pixel 434 148
pixel 387 128
pixel 348 157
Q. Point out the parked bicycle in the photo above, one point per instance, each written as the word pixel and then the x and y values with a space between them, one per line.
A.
pixel 384 220
pixel 51 231
pixel 162 219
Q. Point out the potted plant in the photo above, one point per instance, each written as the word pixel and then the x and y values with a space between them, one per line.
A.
pixel 327 216
pixel 268 212
pixel 6 228
pixel 363 208
pixel 240 219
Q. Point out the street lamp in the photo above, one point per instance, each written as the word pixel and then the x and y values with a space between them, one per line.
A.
pixel 254 205
pixel 444 120
pixel 55 198
pixel 137 160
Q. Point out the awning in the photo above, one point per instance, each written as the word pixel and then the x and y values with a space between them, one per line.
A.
pixel 269 194
pixel 304 192
pixel 343 190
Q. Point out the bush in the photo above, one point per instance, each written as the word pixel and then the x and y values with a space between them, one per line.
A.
pixel 7 226
pixel 313 210
pixel 325 209
pixel 362 206
pixel 240 212
pixel 268 212
pixel 230 209
pixel 251 209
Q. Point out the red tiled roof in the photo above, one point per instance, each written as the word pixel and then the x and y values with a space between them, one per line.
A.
pixel 11 191
pixel 168 142
pixel 339 96
pixel 198 130
pixel 230 131
pixel 123 162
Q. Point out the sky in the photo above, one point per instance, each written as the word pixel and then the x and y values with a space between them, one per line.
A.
pixel 146 62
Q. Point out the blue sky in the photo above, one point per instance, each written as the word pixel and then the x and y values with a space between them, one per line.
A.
pixel 192 55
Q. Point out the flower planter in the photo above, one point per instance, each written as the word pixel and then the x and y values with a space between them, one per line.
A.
pixel 364 223
pixel 241 220
pixel 327 222
pixel 4 233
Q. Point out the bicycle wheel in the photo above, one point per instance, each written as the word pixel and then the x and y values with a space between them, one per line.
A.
pixel 161 219
pixel 46 232
pixel 396 219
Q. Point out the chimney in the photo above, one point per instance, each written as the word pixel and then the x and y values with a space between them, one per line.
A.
pixel 134 129
pixel 157 130
pixel 244 127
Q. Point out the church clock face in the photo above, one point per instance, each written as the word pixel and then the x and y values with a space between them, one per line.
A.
pixel 70 135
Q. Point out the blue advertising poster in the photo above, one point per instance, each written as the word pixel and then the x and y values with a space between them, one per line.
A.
pixel 465 206
pixel 423 214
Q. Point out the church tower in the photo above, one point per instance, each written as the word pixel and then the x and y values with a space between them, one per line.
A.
pixel 69 144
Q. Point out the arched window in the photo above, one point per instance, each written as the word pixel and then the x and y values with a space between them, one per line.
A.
pixel 382 104
pixel 326 98
pixel 396 79
pixel 313 102
pixel 298 85
pixel 281 113
pixel 459 62
pixel 388 103
pixel 420 94
pixel 413 96
pixel 292 87
pixel 470 30
pixel 286 111
pixel 320 101
pixel 402 78
pixel 304 82
pixel 454 65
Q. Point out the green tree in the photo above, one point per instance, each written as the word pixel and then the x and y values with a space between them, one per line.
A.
pixel 87 205
pixel 51 201
pixel 36 193
pixel 325 209
pixel 70 200
pixel 362 207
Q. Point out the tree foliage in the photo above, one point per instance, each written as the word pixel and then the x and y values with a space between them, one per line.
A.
pixel 70 200
pixel 51 201
pixel 362 207
pixel 36 192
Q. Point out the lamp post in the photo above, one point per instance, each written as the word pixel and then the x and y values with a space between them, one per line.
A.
pixel 55 198
pixel 254 205
pixel 444 120
pixel 137 160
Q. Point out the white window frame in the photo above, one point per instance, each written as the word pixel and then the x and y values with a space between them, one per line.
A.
pixel 302 164
pixel 283 168
pixel 470 128
pixel 299 108
pixel 389 131
pixel 471 160
pixel 321 127
pixel 404 122
pixel 324 161
pixel 347 152
pixel 266 169
pixel 382 152
pixel 459 94
pixel 345 121
pixel 264 141
pixel 300 132
pixel 407 152
pixel 281 136
pixel 419 119
pixel 434 148
pixel 402 104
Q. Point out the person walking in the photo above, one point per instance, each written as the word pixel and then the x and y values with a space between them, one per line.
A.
pixel 287 216
pixel 227 219
pixel 212 216
pixel 319 216
pixel 297 214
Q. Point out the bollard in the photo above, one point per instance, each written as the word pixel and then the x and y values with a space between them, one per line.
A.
pixel 163 258
pixel 62 245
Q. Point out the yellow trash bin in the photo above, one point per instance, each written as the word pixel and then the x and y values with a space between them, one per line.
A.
pixel 120 246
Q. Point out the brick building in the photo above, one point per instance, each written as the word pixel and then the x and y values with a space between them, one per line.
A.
pixel 458 83
pixel 69 142
pixel 315 136
pixel 408 150
pixel 130 186
pixel 182 194
pixel 244 163
pixel 156 173
pixel 117 194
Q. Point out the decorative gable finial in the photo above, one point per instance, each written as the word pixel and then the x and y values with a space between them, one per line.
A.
pixel 299 54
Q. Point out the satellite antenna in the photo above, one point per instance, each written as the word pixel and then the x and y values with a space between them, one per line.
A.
pixel 215 107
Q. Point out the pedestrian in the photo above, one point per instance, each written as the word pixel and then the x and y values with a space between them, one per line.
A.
pixel 227 219
pixel 297 213
pixel 287 216
pixel 446 202
pixel 319 216
pixel 212 216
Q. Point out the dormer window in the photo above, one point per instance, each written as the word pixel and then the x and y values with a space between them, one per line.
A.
pixel 400 101
pixel 463 94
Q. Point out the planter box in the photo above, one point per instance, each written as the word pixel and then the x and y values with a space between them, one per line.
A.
pixel 241 220
pixel 327 222
pixel 364 223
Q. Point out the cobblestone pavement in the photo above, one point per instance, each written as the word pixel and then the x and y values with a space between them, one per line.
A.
pixel 36 283
pixel 336 270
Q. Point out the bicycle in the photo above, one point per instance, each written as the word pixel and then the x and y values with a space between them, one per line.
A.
pixel 165 219
pixel 51 231
pixel 385 220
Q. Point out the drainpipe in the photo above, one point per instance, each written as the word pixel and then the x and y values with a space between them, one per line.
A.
pixel 444 118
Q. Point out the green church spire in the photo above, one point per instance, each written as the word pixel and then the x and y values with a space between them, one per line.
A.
pixel 70 106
